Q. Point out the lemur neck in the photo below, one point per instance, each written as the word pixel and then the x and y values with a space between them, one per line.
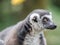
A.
pixel 24 30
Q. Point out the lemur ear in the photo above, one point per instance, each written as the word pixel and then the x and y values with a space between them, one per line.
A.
pixel 35 19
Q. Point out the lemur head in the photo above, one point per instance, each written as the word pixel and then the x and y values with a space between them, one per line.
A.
pixel 41 19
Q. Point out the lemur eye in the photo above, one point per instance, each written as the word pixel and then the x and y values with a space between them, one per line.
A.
pixel 45 19
pixel 35 19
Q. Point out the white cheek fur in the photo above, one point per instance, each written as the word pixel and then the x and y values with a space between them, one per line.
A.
pixel 36 25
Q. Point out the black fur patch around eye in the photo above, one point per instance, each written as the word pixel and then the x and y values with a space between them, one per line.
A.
pixel 45 19
pixel 35 19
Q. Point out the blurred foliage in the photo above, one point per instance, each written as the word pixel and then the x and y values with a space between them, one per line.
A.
pixel 56 3
pixel 53 36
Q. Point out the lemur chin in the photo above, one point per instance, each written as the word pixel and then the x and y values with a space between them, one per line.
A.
pixel 30 30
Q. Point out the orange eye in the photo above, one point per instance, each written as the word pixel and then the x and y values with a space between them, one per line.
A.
pixel 45 19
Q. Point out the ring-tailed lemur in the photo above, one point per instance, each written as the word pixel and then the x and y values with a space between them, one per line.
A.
pixel 30 30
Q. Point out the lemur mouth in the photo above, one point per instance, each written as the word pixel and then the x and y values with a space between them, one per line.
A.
pixel 51 27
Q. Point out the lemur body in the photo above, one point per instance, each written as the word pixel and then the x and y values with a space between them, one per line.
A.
pixel 29 31
pixel 10 36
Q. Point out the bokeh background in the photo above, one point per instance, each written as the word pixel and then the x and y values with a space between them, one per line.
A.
pixel 12 11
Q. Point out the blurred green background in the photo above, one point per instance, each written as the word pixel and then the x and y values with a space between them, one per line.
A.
pixel 12 11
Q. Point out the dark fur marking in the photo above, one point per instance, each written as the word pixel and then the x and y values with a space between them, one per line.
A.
pixel 22 33
pixel 35 19
pixel 41 39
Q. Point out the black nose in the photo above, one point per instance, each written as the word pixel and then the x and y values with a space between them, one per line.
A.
pixel 52 26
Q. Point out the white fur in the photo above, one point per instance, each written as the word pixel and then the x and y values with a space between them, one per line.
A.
pixel 36 25
pixel 1 41
pixel 32 39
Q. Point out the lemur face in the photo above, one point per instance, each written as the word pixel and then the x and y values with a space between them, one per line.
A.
pixel 47 21
pixel 42 21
